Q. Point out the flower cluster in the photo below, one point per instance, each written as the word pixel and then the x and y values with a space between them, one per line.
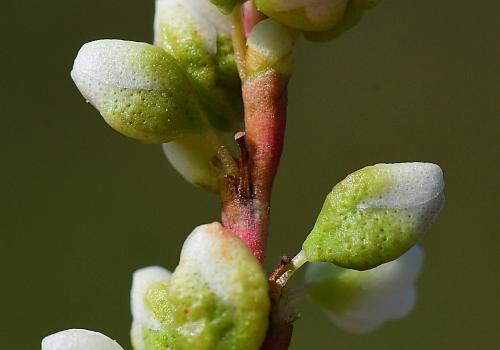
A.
pixel 213 70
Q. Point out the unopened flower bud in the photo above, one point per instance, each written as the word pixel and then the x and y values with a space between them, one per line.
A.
pixel 360 301
pixel 196 160
pixel 139 89
pixel 376 214
pixel 198 35
pixel 79 339
pixel 145 325
pixel 270 45
pixel 217 298
pixel 353 13
pixel 307 15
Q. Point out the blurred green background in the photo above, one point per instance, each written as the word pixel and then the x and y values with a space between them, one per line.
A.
pixel 83 207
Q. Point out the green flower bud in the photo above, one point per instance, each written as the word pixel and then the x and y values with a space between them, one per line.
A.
pixel 353 13
pixel 196 160
pixel 199 37
pixel 270 45
pixel 139 89
pixel 217 298
pixel 376 214
pixel 317 15
pixel 360 301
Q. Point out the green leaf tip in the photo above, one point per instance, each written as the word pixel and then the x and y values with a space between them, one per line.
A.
pixel 216 299
pixel 376 214
pixel 139 89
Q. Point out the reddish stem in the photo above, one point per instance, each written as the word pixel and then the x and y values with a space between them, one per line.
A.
pixel 265 98
pixel 278 337
pixel 245 210
pixel 246 199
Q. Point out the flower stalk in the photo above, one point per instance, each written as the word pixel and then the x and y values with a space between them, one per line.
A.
pixel 246 201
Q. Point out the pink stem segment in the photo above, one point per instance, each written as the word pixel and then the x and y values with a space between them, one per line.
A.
pixel 246 208
pixel 246 200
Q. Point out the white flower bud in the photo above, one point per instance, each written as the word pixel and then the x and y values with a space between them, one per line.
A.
pixel 193 157
pixel 360 301
pixel 376 214
pixel 139 89
pixel 195 17
pixel 270 44
pixel 79 339
pixel 143 317
pixel 309 15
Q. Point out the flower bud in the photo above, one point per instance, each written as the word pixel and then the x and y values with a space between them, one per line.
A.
pixel 145 325
pixel 198 35
pixel 79 339
pixel 360 301
pixel 270 45
pixel 139 89
pixel 307 15
pixel 352 15
pixel 376 214
pixel 217 298
pixel 196 160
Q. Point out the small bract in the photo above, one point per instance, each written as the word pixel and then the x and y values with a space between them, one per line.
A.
pixel 216 299
pixel 360 301
pixel 79 339
pixel 139 89
pixel 376 214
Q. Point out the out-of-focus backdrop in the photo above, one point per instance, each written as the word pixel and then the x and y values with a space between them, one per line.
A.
pixel 83 207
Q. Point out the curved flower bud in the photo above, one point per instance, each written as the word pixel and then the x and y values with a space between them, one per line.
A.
pixel 139 89
pixel 360 301
pixel 376 214
pixel 307 15
pixel 352 15
pixel 198 35
pixel 144 320
pixel 217 297
pixel 79 339
pixel 270 45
